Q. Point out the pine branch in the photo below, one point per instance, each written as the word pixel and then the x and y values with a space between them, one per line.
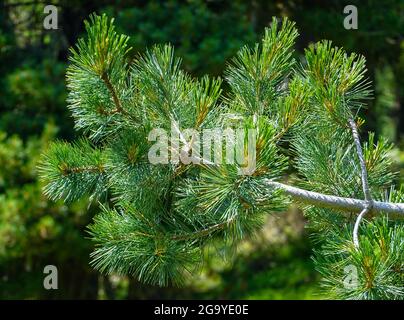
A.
pixel 162 215
pixel 335 202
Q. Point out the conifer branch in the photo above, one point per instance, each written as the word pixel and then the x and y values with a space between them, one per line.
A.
pixel 159 220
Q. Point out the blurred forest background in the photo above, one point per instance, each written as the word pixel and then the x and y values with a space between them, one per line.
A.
pixel 35 232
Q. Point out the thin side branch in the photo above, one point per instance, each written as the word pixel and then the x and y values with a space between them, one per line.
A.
pixel 90 169
pixel 204 232
pixel 356 227
pixel 115 98
pixel 364 173
pixel 112 91
pixel 196 159
pixel 335 202
pixel 365 183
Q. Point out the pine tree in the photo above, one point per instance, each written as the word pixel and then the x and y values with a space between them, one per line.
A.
pixel 155 219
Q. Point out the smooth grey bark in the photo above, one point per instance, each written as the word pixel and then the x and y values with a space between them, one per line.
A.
pixel 335 202
pixel 365 183
pixel 364 173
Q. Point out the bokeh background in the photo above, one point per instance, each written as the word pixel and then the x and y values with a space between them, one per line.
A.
pixel 206 34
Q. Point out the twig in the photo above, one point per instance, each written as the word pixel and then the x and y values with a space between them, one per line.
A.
pixel 89 169
pixel 111 89
pixel 204 232
pixel 117 102
pixel 356 227
pixel 365 183
pixel 188 146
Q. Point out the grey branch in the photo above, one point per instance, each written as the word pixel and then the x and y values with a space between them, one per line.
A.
pixel 356 227
pixel 335 202
pixel 365 183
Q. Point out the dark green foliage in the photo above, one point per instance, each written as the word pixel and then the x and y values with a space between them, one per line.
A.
pixel 28 100
pixel 204 34
pixel 33 230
